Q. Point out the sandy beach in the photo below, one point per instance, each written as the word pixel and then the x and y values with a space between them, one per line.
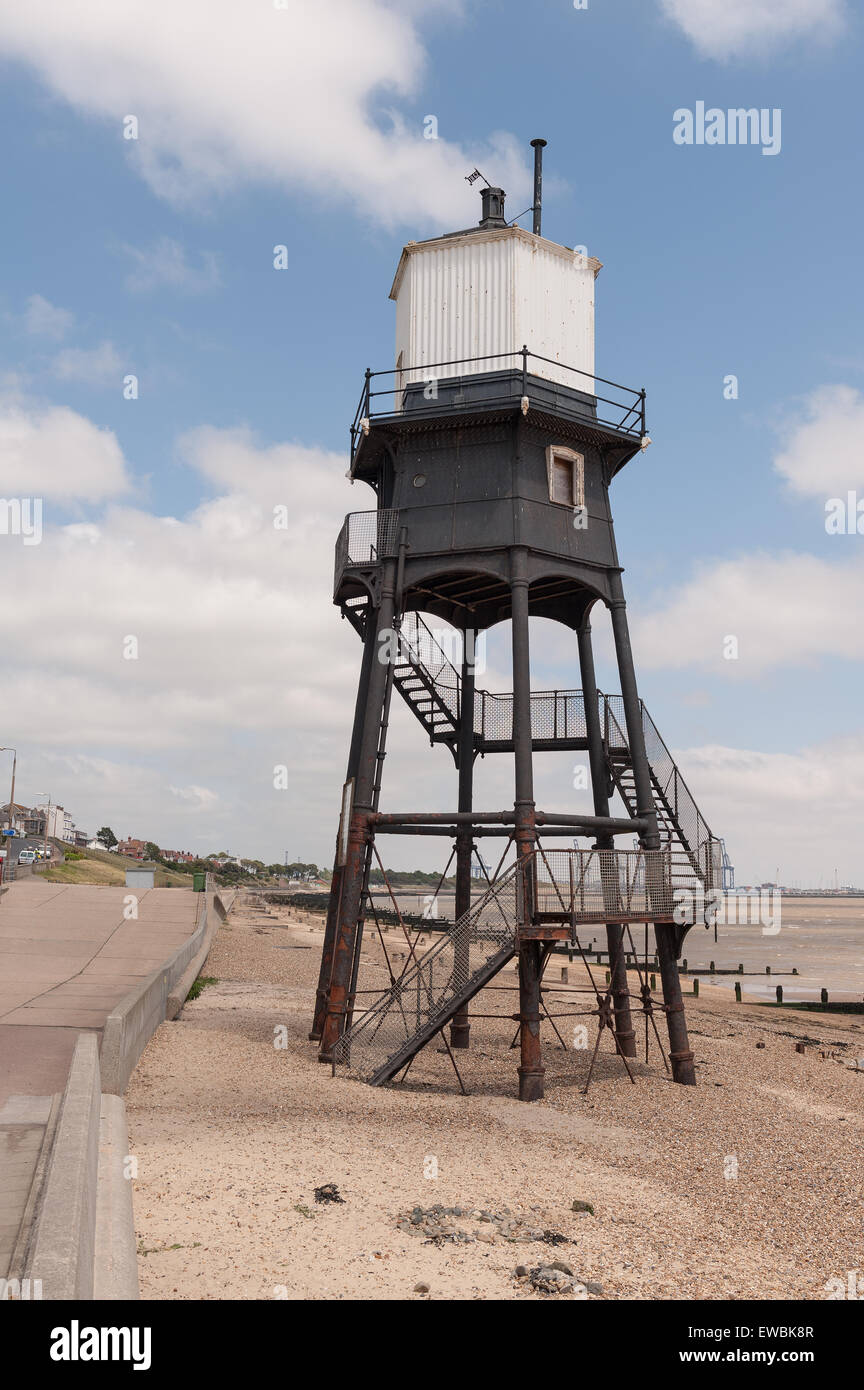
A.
pixel 749 1185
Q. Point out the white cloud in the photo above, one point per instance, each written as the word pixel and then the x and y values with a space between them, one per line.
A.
pixel 231 614
pixel 824 452
pixel 800 811
pixel 278 474
pixel 166 265
pixel 228 93
pixel 45 320
pixel 98 366
pixel 56 453
pixel 195 799
pixel 130 796
pixel 742 28
pixel 242 662
pixel 785 610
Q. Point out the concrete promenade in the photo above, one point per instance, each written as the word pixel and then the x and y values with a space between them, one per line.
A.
pixel 68 956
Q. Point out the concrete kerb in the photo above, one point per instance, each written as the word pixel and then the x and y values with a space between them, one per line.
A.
pixel 83 1241
pixel 131 1025
pixel 62 1248
pixel 116 1260
pixel 177 997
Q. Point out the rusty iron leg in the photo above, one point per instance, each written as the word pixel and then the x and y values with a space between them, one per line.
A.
pixel 625 1033
pixel 531 954
pixel 683 1070
pixel 346 929
pixel 531 1069
pixel 366 743
pixel 361 701
pixel 320 1012
pixel 460 1027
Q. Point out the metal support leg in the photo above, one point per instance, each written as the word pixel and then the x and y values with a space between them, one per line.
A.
pixel 364 789
pixel 680 1056
pixel 326 968
pixel 625 1033
pixel 531 1069
pixel 460 1028
pixel 683 1070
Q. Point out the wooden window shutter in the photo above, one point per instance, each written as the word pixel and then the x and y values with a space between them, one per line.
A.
pixel 562 481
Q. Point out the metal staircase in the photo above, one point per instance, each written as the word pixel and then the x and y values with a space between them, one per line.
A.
pixel 431 687
pixel 680 822
pixel 427 680
pixel 433 987
pixel 423 674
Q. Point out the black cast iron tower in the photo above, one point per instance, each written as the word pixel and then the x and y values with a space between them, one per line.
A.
pixel 490 449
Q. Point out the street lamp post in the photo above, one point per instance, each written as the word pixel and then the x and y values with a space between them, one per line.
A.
pixel 11 822
pixel 47 816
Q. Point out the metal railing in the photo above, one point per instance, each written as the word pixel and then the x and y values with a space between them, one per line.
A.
pixel 421 649
pixel 623 412
pixel 607 885
pixel 703 849
pixel 556 715
pixel 399 1021
pixel 365 539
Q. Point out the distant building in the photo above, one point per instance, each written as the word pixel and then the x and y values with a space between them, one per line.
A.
pixel 133 849
pixel 19 816
pixel 34 823
pixel 178 856
pixel 61 826
pixel 243 864
pixel 38 821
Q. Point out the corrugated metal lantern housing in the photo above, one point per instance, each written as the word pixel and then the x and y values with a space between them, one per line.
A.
pixel 486 292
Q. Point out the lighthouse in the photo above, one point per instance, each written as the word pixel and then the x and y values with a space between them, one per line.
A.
pixel 489 448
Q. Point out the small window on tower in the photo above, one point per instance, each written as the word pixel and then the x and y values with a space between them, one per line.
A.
pixel 566 471
pixel 562 481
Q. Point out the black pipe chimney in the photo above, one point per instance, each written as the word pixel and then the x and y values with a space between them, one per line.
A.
pixel 538 183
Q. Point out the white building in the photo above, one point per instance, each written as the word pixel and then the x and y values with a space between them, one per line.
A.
pixel 60 825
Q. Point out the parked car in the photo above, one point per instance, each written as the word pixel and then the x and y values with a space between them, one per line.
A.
pixel 27 856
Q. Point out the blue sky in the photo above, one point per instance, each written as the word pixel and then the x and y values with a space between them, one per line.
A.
pixel 302 126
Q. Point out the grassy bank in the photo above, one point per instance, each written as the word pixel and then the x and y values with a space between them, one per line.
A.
pixel 101 868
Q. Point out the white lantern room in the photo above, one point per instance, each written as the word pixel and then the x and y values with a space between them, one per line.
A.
pixel 482 294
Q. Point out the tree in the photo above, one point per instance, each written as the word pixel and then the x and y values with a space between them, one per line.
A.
pixel 152 851
pixel 107 837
